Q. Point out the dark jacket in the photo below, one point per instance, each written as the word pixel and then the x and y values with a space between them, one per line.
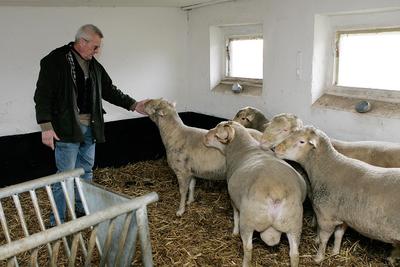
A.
pixel 55 96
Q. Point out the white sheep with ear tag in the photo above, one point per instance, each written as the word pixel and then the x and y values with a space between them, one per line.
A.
pixel 266 192
pixel 187 156
pixel 346 191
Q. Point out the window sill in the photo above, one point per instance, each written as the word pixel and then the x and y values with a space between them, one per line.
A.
pixel 379 108
pixel 250 87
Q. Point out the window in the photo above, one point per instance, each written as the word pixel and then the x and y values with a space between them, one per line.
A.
pixel 356 57
pixel 368 59
pixel 245 58
pixel 236 59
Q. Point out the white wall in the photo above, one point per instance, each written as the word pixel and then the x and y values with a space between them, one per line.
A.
pixel 288 27
pixel 144 52
pixel 153 52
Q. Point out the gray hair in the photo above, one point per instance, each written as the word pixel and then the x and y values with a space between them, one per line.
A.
pixel 86 31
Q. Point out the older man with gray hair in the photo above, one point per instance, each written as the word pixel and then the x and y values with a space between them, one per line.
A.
pixel 68 98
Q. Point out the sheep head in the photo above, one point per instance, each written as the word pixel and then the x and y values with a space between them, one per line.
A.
pixel 299 144
pixel 158 107
pixel 220 136
pixel 279 128
pixel 246 116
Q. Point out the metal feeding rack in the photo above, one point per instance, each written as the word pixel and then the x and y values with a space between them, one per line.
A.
pixel 106 236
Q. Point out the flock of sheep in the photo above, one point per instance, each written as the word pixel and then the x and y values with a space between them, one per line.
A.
pixel 350 184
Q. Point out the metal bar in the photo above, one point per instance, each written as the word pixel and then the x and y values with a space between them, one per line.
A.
pixel 20 214
pixel 107 242
pixel 82 195
pixel 6 233
pixel 86 209
pixel 68 202
pixel 92 242
pixel 74 250
pixel 144 236
pixel 71 227
pixel 39 215
pixel 56 247
pixel 71 208
pixel 122 238
pixel 57 216
pixel 37 183
pixel 211 2
pixel 34 255
pixel 4 224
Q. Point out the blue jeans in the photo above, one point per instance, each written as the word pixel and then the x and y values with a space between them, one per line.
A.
pixel 69 156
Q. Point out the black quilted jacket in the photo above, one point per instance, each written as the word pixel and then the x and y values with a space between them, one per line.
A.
pixel 55 96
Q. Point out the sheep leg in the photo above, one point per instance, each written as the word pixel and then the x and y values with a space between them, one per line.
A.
pixel 235 220
pixel 316 238
pixel 324 234
pixel 339 232
pixel 247 239
pixel 192 184
pixel 183 189
pixel 294 241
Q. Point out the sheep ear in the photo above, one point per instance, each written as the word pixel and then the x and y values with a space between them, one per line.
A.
pixel 173 104
pixel 230 133
pixel 221 136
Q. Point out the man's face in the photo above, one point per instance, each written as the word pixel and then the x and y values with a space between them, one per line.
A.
pixel 90 47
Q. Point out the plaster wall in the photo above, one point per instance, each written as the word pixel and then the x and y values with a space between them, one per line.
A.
pixel 143 51
pixel 289 49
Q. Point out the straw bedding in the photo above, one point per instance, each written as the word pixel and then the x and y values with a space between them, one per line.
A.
pixel 202 236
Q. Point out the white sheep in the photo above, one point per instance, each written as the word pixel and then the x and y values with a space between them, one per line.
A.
pixel 378 153
pixel 266 192
pixel 382 154
pixel 251 117
pixel 187 156
pixel 346 191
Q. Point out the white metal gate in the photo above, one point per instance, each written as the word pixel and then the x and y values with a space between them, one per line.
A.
pixel 112 224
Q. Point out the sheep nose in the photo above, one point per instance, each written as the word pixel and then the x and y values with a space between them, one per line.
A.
pixel 273 148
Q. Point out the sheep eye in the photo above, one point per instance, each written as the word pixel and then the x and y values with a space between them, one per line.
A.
pixel 302 142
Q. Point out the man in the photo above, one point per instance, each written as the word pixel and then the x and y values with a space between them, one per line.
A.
pixel 68 97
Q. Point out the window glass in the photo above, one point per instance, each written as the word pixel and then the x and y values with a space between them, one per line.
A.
pixel 369 60
pixel 245 58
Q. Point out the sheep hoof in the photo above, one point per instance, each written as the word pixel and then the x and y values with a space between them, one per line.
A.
pixel 235 233
pixel 318 258
pixel 335 252
pixel 392 261
pixel 180 212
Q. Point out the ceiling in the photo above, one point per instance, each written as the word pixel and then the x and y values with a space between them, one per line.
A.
pixel 184 4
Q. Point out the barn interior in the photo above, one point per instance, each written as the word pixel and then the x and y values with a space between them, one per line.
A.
pixel 176 50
